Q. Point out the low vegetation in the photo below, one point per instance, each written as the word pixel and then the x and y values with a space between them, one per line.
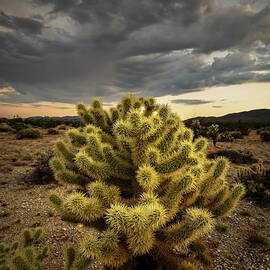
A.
pixel 22 255
pixel 265 136
pixel 28 133
pixel 235 156
pixel 52 131
pixel 226 137
pixel 213 133
pixel 257 181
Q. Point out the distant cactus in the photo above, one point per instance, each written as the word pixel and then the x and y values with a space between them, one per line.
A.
pixel 226 137
pixel 197 128
pixel 213 132
pixel 257 181
pixel 22 256
pixel 148 189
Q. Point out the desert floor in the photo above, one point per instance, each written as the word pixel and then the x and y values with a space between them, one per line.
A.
pixel 24 204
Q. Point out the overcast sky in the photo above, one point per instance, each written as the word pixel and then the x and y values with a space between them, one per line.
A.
pixel 201 56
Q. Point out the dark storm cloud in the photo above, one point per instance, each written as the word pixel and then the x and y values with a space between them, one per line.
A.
pixel 26 25
pixel 134 14
pixel 191 101
pixel 70 50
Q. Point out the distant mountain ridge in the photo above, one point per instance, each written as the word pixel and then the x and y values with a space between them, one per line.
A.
pixel 55 117
pixel 259 115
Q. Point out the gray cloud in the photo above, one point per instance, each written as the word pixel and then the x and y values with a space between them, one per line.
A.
pixel 26 25
pixel 76 49
pixel 191 101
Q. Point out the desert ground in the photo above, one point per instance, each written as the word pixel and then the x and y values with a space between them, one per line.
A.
pixel 23 203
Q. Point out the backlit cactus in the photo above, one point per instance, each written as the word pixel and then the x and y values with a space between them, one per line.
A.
pixel 213 132
pixel 147 187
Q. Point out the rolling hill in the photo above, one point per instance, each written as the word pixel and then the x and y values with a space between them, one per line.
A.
pixel 257 116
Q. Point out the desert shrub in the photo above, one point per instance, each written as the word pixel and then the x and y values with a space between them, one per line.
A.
pixel 19 126
pixel 42 173
pixel 62 127
pixel 257 181
pixel 245 131
pixel 28 133
pixel 245 157
pixel 237 135
pixel 75 123
pixel 145 185
pixel 226 137
pixel 265 136
pixel 213 132
pixel 4 127
pixel 23 256
pixel 52 131
pixel 255 238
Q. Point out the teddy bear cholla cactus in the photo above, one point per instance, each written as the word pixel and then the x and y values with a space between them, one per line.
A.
pixel 144 184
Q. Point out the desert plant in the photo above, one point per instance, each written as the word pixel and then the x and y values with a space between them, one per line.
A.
pixel 52 131
pixel 42 174
pixel 244 131
pixel 144 184
pixel 265 136
pixel 197 128
pixel 28 133
pixel 237 135
pixel 4 127
pixel 62 127
pixel 257 181
pixel 22 256
pixel 222 228
pixel 255 238
pixel 213 132
pixel 226 137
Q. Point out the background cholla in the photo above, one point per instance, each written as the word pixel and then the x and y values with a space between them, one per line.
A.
pixel 144 184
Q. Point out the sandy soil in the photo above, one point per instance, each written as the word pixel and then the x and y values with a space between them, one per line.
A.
pixel 25 205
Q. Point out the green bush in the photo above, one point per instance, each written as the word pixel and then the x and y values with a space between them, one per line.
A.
pixel 145 185
pixel 28 133
pixel 265 136
pixel 257 181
